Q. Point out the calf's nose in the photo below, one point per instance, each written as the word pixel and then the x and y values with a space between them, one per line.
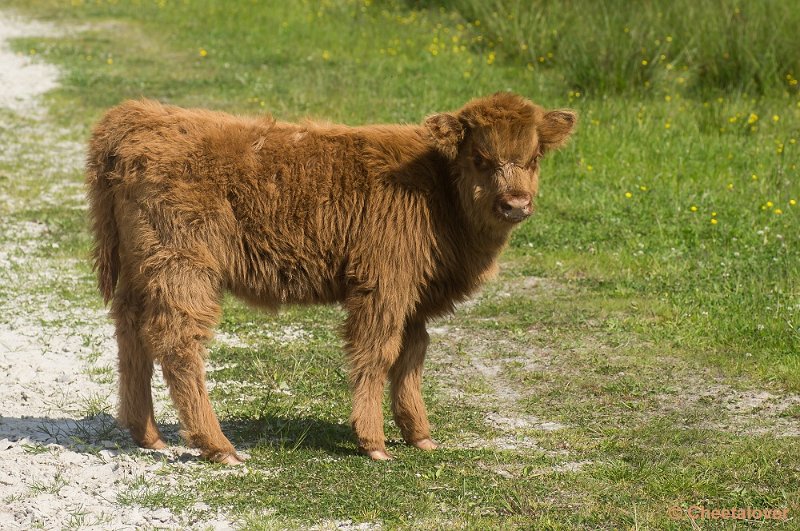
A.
pixel 515 207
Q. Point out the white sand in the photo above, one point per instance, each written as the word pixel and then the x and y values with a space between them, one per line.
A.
pixel 63 462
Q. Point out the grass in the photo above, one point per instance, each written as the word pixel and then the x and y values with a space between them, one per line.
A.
pixel 717 47
pixel 651 307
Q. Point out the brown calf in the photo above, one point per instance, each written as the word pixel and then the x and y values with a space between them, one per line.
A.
pixel 395 222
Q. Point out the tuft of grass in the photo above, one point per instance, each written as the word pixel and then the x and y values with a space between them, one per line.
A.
pixel 57 483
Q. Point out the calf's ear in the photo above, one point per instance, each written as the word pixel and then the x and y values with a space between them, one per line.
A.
pixel 556 128
pixel 447 132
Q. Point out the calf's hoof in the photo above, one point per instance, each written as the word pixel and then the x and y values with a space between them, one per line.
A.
pixel 150 443
pixel 226 458
pixel 377 455
pixel 426 444
pixel 158 444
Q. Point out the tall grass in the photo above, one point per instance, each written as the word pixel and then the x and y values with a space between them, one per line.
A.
pixel 617 46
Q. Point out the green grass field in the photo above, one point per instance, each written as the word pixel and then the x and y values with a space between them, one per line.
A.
pixel 641 347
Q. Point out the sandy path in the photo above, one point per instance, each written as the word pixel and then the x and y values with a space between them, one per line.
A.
pixel 63 462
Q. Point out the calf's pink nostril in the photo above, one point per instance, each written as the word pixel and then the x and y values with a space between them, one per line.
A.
pixel 517 202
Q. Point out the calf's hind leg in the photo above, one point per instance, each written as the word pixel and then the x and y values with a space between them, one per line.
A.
pixel 135 409
pixel 180 320
pixel 406 388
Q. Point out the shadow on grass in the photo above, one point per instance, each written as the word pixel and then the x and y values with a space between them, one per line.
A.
pixel 75 434
pixel 290 433
pixel 92 434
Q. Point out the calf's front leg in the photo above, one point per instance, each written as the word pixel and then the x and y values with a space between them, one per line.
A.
pixel 406 387
pixel 372 348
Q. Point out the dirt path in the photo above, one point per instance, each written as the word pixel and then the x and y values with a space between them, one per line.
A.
pixel 63 462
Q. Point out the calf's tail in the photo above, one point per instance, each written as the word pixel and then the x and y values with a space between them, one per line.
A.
pixel 100 171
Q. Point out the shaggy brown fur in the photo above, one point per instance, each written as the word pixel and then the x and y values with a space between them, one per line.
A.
pixel 395 222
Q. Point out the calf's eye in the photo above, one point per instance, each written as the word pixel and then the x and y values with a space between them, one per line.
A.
pixel 479 161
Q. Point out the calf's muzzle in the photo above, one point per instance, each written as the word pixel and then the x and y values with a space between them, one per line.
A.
pixel 514 207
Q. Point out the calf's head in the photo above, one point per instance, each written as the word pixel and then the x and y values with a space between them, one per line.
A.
pixel 494 145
